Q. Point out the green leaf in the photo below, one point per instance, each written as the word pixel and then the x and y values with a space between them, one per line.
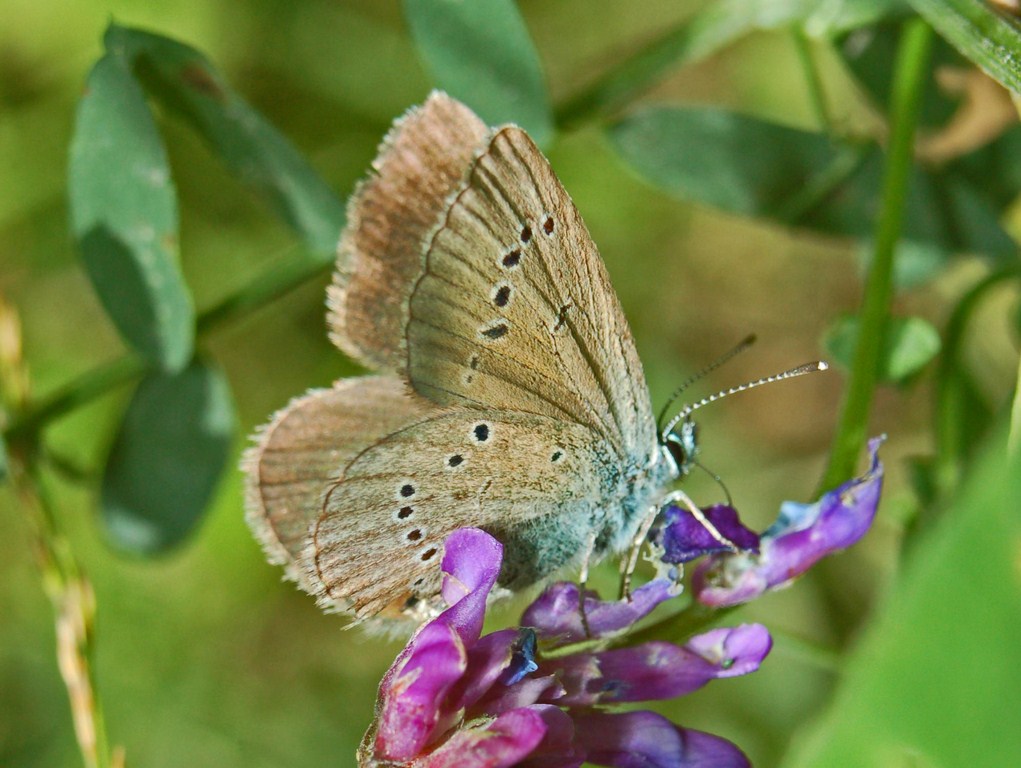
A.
pixel 990 38
pixel 737 163
pixel 934 680
pixel 868 53
pixel 481 53
pixel 124 216
pixel 910 344
pixel 186 82
pixel 167 457
pixel 839 17
pixel 711 29
pixel 5 467
pixel 752 167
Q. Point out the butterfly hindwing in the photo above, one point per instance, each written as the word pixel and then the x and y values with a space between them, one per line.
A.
pixel 514 475
pixel 299 454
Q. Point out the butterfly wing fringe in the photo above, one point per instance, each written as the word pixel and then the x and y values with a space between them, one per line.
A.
pixel 391 216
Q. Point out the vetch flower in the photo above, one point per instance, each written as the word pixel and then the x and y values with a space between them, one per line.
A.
pixel 683 537
pixel 456 698
pixel 802 535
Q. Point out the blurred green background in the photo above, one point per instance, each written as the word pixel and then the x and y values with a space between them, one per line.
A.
pixel 204 657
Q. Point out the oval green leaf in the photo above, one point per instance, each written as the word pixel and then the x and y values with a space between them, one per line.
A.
pixel 734 162
pixel 910 344
pixel 935 680
pixel 481 53
pixel 124 217
pixel 186 82
pixel 752 167
pixel 167 457
pixel 868 53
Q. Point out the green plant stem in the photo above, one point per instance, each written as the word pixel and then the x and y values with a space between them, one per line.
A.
pixel 1014 434
pixel 682 625
pixel 910 72
pixel 816 92
pixel 74 609
pixel 263 290
pixel 949 423
pixel 86 388
pixel 108 376
pixel 697 37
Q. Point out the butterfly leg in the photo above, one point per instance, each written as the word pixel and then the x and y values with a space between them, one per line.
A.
pixel 590 548
pixel 629 565
pixel 682 497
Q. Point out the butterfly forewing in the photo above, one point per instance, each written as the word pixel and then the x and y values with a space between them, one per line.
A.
pixel 422 162
pixel 514 309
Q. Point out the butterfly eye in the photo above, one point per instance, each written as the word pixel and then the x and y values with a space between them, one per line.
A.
pixel 683 445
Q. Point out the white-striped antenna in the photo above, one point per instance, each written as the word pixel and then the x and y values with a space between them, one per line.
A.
pixel 741 346
pixel 801 370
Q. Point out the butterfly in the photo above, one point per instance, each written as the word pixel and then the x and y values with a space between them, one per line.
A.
pixel 508 393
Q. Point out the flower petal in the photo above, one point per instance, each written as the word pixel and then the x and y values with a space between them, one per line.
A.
pixel 803 535
pixel 488 660
pixel 471 564
pixel 499 744
pixel 659 670
pixel 412 692
pixel 531 690
pixel 556 617
pixel 557 748
pixel 410 704
pixel 648 740
pixel 684 537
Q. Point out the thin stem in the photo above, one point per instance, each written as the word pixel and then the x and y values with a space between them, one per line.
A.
pixel 910 72
pixel 949 422
pixel 263 290
pixel 847 162
pixel 86 388
pixel 680 626
pixel 816 92
pixel 695 38
pixel 74 607
pixel 1014 435
pixel 108 376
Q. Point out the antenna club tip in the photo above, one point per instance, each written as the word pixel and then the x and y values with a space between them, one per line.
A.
pixel 822 365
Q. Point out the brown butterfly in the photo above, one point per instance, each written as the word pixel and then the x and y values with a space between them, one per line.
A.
pixel 509 396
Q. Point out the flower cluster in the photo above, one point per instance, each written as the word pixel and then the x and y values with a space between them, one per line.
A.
pixel 544 695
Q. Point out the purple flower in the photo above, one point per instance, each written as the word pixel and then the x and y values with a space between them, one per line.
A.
pixel 802 535
pixel 456 698
pixel 683 537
